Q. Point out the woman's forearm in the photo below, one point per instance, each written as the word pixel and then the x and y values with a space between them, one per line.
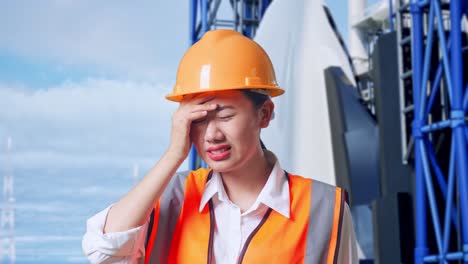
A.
pixel 135 207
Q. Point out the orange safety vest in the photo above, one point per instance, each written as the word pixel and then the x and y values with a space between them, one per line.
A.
pixel 179 233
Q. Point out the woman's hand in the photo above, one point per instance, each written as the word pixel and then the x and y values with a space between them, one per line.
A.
pixel 189 110
pixel 124 215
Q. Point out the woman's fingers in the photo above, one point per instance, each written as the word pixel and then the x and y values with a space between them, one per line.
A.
pixel 198 99
pixel 199 112
pixel 191 110
pixel 197 115
pixel 203 107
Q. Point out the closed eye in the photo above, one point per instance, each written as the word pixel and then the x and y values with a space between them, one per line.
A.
pixel 199 121
pixel 224 118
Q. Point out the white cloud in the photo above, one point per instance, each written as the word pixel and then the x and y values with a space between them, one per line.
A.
pixel 94 123
pixel 45 208
pixel 36 239
pixel 144 39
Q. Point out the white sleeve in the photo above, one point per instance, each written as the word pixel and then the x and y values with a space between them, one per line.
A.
pixel 117 247
pixel 347 253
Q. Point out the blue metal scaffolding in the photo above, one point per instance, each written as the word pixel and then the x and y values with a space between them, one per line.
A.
pixel 428 23
pixel 243 16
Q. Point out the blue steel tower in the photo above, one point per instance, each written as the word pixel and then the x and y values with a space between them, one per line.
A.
pixel 244 17
pixel 436 104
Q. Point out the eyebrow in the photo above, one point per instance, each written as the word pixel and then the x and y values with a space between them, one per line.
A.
pixel 222 107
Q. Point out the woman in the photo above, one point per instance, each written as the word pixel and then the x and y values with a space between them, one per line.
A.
pixel 245 208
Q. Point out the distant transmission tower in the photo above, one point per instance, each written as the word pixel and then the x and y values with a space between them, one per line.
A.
pixel 7 222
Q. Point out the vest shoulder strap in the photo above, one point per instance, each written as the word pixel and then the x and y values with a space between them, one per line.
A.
pixel 325 221
pixel 165 215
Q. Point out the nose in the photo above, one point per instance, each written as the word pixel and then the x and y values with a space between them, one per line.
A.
pixel 213 134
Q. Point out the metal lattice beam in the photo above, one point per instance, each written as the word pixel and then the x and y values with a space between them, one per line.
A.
pixel 438 113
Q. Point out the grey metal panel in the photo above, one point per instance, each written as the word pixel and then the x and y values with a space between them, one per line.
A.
pixel 363 155
pixel 395 176
pixel 354 139
pixel 393 233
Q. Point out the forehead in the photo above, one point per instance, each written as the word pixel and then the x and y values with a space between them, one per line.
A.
pixel 232 97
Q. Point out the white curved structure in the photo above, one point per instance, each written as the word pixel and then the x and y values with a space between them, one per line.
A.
pixel 301 44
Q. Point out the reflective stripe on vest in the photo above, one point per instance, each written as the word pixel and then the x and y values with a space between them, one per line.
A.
pixel 165 215
pixel 181 234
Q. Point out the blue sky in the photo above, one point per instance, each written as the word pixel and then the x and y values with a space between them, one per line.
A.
pixel 83 81
pixel 43 42
pixel 47 43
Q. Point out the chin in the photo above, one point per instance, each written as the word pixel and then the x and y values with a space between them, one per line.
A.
pixel 220 166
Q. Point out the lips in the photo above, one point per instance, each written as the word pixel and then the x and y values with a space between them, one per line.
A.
pixel 219 152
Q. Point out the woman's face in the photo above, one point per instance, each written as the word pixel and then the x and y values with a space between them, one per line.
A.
pixel 229 136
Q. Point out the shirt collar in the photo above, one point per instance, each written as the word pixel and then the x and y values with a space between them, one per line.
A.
pixel 275 193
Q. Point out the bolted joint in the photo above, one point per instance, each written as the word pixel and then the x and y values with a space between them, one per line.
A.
pixel 457 118
pixel 416 131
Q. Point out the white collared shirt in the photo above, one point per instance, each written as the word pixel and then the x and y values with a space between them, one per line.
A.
pixel 232 228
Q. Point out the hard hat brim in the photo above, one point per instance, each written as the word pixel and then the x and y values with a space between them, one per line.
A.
pixel 270 90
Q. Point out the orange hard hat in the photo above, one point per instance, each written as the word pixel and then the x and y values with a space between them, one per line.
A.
pixel 224 60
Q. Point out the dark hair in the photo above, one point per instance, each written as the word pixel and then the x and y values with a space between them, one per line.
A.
pixel 256 98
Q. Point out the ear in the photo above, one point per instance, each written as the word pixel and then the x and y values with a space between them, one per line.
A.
pixel 266 113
